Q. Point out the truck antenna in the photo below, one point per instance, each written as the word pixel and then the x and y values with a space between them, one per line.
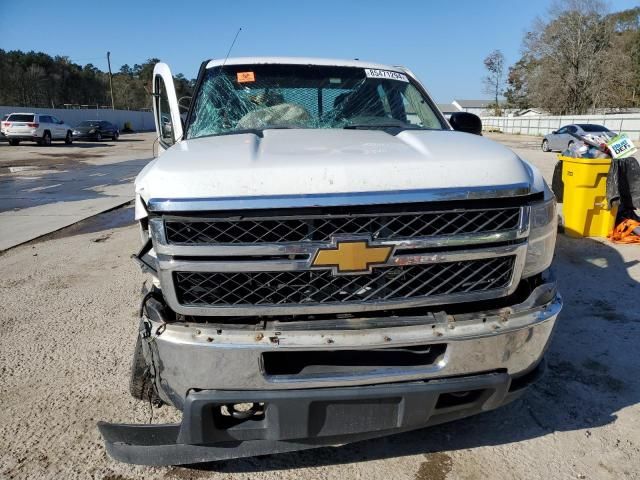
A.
pixel 232 44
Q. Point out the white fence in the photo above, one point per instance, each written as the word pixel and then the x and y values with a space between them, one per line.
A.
pixel 628 123
pixel 140 121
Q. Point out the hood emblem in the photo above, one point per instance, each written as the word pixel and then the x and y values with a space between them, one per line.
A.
pixel 351 256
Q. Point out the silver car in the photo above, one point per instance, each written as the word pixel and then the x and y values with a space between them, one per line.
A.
pixel 564 137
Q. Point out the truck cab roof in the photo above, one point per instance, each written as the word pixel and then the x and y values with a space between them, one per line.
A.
pixel 301 61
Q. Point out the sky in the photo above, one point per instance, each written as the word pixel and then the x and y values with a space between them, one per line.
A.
pixel 443 43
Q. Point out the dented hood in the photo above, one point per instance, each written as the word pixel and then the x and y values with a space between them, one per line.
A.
pixel 321 161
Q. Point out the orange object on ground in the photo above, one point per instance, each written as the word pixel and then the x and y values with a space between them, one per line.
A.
pixel 623 233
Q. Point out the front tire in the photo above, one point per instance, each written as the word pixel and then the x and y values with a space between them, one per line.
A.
pixel 69 138
pixel 98 137
pixel 141 382
pixel 545 146
pixel 14 143
pixel 115 137
pixel 570 144
pixel 557 185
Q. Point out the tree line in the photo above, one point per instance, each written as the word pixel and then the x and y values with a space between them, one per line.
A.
pixel 577 60
pixel 36 79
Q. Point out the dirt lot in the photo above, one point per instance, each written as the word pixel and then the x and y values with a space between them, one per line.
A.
pixel 67 328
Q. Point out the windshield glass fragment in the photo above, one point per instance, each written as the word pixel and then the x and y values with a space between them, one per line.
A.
pixel 241 98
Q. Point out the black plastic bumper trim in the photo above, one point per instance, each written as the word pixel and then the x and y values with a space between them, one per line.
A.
pixel 301 419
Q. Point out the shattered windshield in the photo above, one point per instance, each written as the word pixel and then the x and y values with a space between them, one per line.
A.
pixel 241 98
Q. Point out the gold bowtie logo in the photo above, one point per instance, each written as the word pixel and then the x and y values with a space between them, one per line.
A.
pixel 352 256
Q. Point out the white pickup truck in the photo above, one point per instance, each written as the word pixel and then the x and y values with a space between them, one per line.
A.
pixel 333 261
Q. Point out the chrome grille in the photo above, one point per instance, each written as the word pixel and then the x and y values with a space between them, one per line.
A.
pixel 385 284
pixel 387 226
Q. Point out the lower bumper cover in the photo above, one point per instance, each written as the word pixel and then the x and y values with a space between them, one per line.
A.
pixel 301 419
pixel 26 137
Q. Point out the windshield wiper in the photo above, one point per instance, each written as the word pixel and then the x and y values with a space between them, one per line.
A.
pixel 256 131
pixel 382 126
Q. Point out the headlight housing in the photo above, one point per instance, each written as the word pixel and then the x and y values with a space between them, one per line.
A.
pixel 93 130
pixel 542 234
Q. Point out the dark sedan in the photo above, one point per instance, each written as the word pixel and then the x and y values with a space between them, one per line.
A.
pixel 95 130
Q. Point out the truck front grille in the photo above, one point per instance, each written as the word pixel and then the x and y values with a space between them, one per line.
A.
pixel 389 226
pixel 385 284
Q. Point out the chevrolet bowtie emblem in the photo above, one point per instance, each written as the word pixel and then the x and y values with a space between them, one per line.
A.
pixel 351 256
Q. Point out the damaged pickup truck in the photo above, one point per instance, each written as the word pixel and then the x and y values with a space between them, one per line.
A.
pixel 332 261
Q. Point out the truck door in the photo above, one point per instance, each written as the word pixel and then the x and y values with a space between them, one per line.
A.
pixel 166 113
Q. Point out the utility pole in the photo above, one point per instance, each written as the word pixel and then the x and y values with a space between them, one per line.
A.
pixel 110 80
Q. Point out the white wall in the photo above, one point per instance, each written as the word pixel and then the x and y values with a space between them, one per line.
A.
pixel 140 121
pixel 628 123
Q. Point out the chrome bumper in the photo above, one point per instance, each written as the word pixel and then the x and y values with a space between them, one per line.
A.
pixel 202 357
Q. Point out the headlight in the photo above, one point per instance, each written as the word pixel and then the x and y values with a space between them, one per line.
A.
pixel 542 235
pixel 93 130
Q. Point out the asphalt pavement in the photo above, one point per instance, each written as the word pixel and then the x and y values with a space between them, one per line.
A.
pixel 44 189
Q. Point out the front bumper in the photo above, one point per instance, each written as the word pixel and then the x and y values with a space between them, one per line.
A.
pixel 485 359
pixel 22 136
pixel 85 136
pixel 210 357
pixel 302 419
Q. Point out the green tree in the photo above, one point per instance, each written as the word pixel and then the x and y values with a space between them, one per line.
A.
pixel 517 91
pixel 35 79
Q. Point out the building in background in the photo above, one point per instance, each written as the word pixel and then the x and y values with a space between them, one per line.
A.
pixel 477 107
pixel 447 108
pixel 528 112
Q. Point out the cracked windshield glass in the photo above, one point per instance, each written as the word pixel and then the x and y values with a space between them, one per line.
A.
pixel 252 98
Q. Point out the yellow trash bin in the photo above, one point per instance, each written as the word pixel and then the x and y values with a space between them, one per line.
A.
pixel 585 207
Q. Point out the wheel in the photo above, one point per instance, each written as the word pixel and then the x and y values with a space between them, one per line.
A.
pixel 557 185
pixel 98 137
pixel 45 141
pixel 545 146
pixel 141 383
pixel 69 138
pixel 14 143
pixel 115 137
pixel 570 144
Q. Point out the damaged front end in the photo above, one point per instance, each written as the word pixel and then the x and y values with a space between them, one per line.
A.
pixel 325 273
pixel 278 386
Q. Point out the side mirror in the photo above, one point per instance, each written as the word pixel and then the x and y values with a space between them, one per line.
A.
pixel 466 122
pixel 60 122
pixel 554 132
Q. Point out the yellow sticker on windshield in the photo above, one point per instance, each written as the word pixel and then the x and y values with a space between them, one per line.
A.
pixel 244 77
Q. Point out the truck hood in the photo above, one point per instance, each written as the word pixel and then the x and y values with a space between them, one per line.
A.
pixel 325 161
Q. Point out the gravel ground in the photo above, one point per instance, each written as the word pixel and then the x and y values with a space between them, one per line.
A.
pixel 67 330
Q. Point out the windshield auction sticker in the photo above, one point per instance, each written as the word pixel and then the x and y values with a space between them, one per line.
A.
pixel 390 74
pixel 244 77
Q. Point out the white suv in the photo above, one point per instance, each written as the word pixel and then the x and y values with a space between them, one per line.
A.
pixel 36 128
